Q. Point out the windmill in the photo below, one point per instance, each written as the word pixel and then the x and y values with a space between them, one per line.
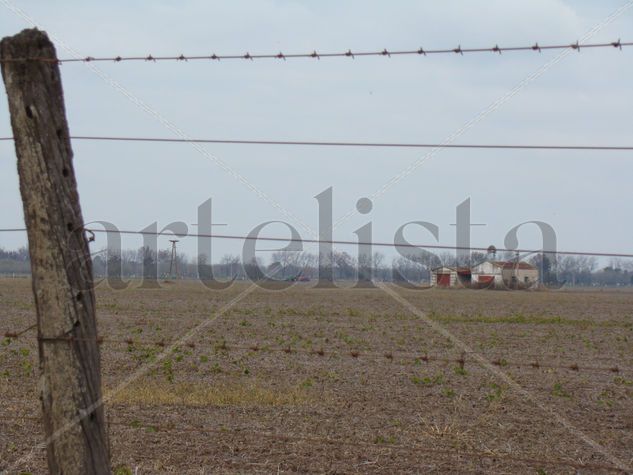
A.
pixel 173 264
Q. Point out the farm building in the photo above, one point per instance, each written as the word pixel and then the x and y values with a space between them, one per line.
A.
pixel 450 276
pixel 504 273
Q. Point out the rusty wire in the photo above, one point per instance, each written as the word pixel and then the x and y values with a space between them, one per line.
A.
pixel 491 355
pixel 225 346
pixel 496 49
pixel 17 334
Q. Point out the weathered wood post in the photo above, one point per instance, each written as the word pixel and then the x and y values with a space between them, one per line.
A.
pixel 70 379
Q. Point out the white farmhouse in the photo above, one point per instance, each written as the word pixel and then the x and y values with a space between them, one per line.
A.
pixel 511 274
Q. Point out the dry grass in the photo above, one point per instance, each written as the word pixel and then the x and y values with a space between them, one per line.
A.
pixel 153 393
pixel 231 384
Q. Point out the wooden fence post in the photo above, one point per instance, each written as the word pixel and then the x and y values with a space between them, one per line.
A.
pixel 70 379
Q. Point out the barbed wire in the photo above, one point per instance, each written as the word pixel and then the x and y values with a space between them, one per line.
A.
pixel 352 353
pixel 417 448
pixel 496 355
pixel 351 243
pixel 313 143
pixel 422 357
pixel 16 334
pixel 459 50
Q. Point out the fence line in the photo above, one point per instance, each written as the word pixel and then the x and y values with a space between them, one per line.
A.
pixel 610 148
pixel 422 357
pixel 353 353
pixel 349 243
pixel 496 355
pixel 346 54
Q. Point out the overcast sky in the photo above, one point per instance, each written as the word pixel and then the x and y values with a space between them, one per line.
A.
pixel 586 98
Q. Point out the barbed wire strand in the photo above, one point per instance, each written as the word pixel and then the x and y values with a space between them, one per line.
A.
pixel 494 355
pixel 459 50
pixel 497 354
pixel 351 243
pixel 17 334
pixel 312 143
pixel 225 346
pixel 418 448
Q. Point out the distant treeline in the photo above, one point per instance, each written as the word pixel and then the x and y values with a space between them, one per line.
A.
pixel 289 265
pixel 15 262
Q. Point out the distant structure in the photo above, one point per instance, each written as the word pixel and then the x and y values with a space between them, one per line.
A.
pixel 512 274
pixel 445 276
pixel 173 263
pixel 489 273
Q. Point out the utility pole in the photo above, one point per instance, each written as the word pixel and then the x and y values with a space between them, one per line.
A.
pixel 174 258
pixel 516 269
pixel 70 379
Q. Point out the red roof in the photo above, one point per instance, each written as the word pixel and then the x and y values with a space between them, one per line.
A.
pixel 515 265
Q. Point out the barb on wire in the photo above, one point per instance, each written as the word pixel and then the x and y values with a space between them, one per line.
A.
pixel 17 334
pixel 349 53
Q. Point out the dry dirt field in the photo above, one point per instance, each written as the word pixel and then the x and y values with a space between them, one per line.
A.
pixel 344 381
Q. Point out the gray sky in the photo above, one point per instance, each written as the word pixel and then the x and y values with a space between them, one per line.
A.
pixel 584 99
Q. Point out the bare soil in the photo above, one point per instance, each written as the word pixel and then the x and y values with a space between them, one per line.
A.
pixel 343 381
